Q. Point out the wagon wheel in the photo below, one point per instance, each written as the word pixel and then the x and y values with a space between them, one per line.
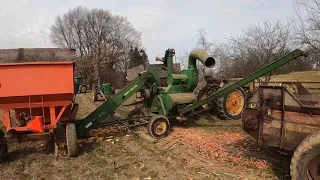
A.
pixel 71 138
pixel 230 106
pixel 59 141
pixel 158 126
pixel 135 113
pixel 3 145
pixel 305 162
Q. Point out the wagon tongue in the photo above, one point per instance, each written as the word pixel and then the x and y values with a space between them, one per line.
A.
pixel 36 124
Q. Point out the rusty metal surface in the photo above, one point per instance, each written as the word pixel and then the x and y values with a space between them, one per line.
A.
pixel 283 116
pixel 249 116
pixel 287 122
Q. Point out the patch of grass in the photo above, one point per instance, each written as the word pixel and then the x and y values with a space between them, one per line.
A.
pixel 96 157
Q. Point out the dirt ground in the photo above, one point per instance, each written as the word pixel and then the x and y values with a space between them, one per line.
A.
pixel 208 149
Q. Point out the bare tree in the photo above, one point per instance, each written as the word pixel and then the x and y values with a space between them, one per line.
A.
pixel 99 37
pixel 182 59
pixel 204 44
pixel 59 34
pixel 258 46
pixel 307 29
pixel 124 37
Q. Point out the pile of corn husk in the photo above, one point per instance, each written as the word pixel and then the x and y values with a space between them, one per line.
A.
pixel 105 134
pixel 232 149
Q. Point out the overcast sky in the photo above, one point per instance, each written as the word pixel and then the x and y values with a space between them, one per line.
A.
pixel 163 23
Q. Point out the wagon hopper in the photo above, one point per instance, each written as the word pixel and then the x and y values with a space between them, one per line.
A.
pixel 278 118
pixel 35 99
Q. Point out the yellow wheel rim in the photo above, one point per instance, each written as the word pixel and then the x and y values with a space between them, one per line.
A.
pixel 253 105
pixel 205 106
pixel 160 128
pixel 83 89
pixel 235 102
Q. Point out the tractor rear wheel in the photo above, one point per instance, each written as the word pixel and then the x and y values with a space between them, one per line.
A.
pixel 3 146
pixel 71 137
pixel 305 162
pixel 158 126
pixel 231 105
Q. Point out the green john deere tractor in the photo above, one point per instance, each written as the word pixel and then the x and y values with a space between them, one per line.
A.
pixel 231 105
pixel 79 86
pixel 105 92
pixel 227 107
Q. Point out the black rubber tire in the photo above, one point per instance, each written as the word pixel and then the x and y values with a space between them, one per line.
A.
pixel 222 112
pixel 94 96
pixel 305 151
pixel 135 113
pixel 152 125
pixel 3 146
pixel 71 138
pixel 56 149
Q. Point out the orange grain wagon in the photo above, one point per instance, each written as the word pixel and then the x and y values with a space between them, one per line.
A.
pixel 35 98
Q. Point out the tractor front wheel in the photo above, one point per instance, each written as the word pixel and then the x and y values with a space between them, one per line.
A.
pixel 71 137
pixel 3 146
pixel 83 89
pixel 158 126
pixel 204 93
